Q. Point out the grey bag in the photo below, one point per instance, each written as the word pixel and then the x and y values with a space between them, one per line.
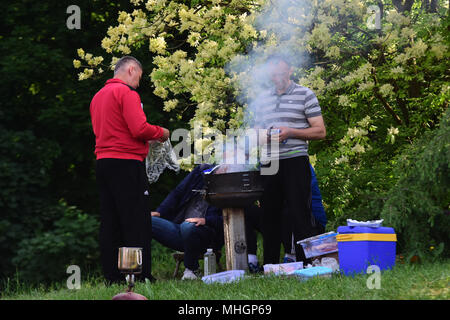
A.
pixel 160 156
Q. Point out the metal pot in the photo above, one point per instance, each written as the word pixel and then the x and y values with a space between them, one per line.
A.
pixel 130 260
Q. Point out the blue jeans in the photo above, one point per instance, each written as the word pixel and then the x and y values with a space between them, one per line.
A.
pixel 186 237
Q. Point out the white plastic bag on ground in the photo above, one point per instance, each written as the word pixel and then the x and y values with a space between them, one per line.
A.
pixel 330 263
pixel 160 156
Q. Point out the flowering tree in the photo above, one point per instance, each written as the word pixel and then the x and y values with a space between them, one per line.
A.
pixel 379 84
pixel 379 69
pixel 190 45
pixel 387 71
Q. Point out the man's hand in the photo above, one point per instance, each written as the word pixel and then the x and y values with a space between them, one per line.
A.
pixel 155 214
pixel 285 133
pixel 165 136
pixel 197 221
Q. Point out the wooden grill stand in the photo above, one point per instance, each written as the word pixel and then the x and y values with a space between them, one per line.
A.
pixel 235 240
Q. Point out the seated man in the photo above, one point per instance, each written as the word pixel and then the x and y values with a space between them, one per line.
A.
pixel 253 217
pixel 184 221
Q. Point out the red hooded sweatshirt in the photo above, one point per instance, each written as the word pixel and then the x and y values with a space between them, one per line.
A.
pixel 119 123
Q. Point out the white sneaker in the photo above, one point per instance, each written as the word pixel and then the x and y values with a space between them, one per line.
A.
pixel 189 275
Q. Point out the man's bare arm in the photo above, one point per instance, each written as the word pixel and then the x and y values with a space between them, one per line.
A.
pixel 316 131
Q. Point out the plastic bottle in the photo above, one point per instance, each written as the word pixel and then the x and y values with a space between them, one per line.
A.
pixel 275 132
pixel 209 262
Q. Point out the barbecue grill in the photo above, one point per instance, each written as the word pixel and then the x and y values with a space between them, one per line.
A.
pixel 232 191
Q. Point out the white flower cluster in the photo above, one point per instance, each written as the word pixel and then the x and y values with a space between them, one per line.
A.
pixel 355 141
pixel 360 74
pixel 391 133
pixel 356 132
pixel 91 62
pixel 344 101
pixel 386 90
pixel 217 34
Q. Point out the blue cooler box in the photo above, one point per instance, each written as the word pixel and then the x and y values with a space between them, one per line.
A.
pixel 360 247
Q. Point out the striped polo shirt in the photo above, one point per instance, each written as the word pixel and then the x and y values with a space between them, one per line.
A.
pixel 290 109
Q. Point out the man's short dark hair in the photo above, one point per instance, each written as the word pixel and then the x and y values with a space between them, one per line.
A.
pixel 278 57
pixel 124 61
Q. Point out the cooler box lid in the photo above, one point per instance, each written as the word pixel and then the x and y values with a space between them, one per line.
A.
pixel 347 229
pixel 347 233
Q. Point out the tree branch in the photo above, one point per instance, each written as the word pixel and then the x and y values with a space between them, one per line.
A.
pixel 403 5
pixel 401 102
pixel 384 102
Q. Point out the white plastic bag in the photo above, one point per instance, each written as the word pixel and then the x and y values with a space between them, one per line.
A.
pixel 371 223
pixel 224 277
pixel 160 156
pixel 330 263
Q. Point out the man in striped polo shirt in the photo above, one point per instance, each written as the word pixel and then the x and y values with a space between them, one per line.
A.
pixel 295 111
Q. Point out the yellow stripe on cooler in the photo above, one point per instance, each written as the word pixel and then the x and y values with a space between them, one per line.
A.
pixel 366 237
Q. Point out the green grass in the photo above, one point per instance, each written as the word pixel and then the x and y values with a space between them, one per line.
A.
pixel 404 281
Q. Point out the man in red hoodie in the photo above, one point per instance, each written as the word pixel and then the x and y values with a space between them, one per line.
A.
pixel 121 145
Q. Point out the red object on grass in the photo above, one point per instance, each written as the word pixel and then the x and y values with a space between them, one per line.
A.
pixel 129 296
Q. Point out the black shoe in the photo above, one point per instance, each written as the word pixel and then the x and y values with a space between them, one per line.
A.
pixel 255 268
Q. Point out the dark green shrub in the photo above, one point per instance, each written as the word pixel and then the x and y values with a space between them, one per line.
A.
pixel 73 240
pixel 418 204
pixel 25 161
